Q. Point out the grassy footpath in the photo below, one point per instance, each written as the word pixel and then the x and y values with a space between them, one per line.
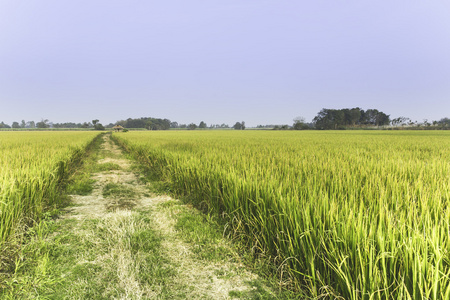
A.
pixel 132 242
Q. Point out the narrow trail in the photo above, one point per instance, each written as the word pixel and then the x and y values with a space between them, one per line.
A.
pixel 112 218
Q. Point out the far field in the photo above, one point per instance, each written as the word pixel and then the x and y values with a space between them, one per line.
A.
pixel 333 214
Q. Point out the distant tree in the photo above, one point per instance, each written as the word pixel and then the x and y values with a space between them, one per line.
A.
pixel 299 124
pixel 3 125
pixel 400 121
pixel 15 125
pixel 86 125
pixel 237 126
pixel 192 126
pixel 341 118
pixel 173 125
pixel 280 127
pixel 148 123
pixel 43 124
pixel 23 124
pixel 140 123
pixel 67 125
pixel 202 125
pixel 444 122
pixel 31 124
pixel 121 123
pixel 377 118
pixel 325 119
pixel 353 116
pixel 99 126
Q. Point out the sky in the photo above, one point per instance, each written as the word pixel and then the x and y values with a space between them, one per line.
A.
pixel 262 62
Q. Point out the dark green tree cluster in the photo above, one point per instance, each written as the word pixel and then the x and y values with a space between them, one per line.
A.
pixel 349 117
pixel 282 127
pixel 148 123
pixel 239 125
pixel 97 125
pixel 3 125
pixel 445 122
pixel 67 125
pixel 43 124
pixel 192 126
pixel 300 124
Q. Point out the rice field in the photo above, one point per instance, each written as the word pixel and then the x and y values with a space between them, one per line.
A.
pixel 355 215
pixel 32 167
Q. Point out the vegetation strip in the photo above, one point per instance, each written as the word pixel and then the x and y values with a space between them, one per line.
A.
pixel 120 240
pixel 356 215
pixel 34 167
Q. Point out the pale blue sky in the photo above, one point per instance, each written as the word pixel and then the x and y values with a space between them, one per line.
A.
pixel 264 62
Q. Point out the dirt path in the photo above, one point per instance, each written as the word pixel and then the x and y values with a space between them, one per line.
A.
pixel 118 205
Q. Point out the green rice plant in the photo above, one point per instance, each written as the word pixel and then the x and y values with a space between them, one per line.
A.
pixel 33 167
pixel 357 215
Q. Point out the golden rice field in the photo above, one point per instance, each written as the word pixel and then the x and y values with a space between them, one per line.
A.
pixel 353 214
pixel 32 166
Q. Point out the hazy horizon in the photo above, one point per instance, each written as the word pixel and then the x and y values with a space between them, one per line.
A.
pixel 220 62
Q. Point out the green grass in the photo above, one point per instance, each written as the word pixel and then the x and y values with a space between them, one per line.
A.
pixel 205 234
pixel 104 167
pixel 80 182
pixel 150 177
pixel 66 261
pixel 118 191
pixel 81 186
pixel 120 196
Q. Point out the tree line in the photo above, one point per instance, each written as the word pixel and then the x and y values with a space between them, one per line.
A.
pixel 144 123
pixel 346 118
pixel 349 117
pixel 43 124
